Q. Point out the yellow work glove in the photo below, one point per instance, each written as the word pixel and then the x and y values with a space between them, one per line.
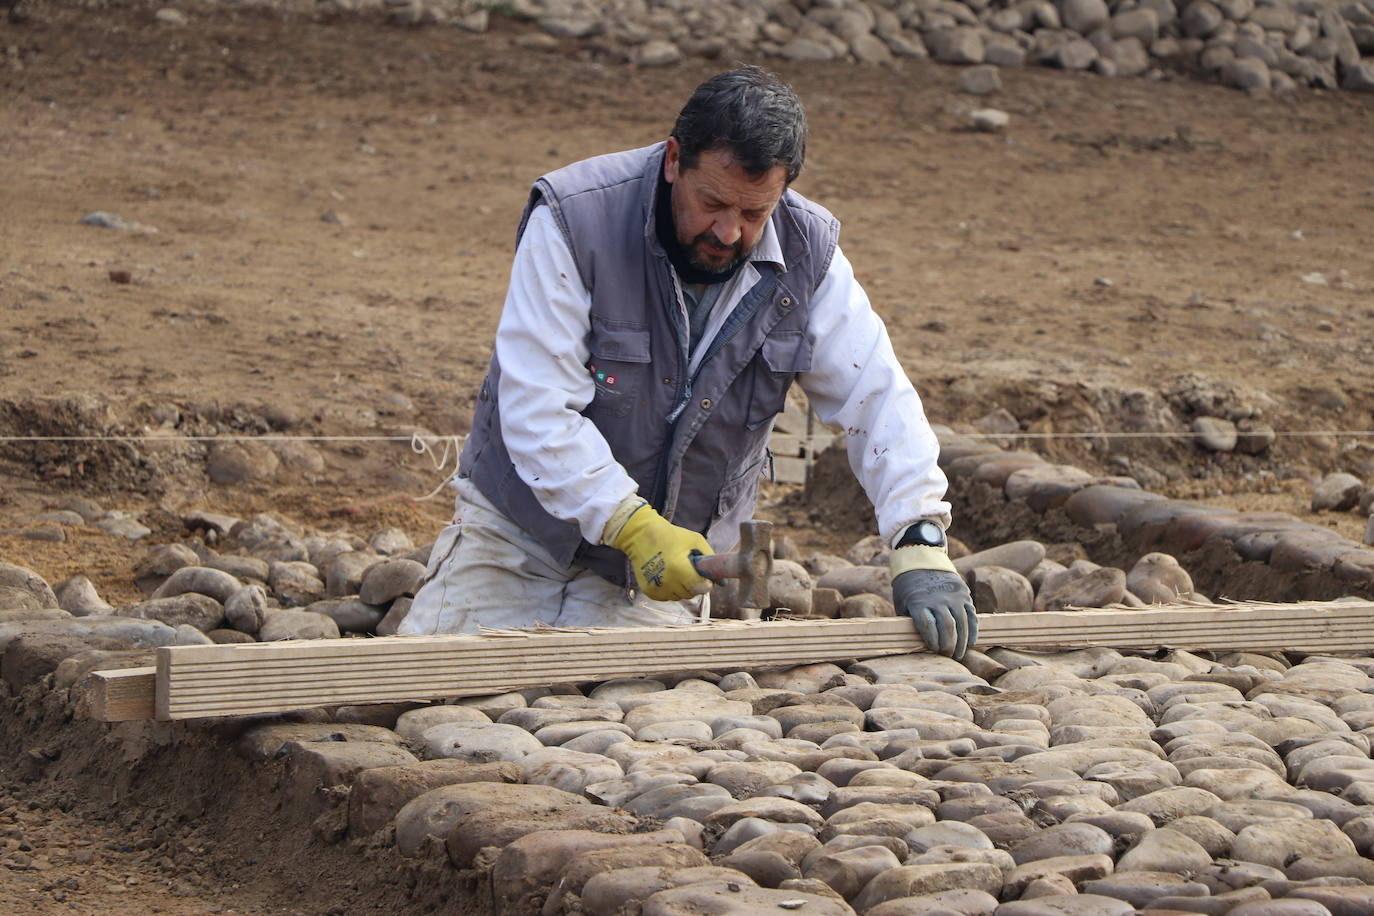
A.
pixel 659 551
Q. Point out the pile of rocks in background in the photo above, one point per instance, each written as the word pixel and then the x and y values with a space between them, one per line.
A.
pixel 1060 538
pixel 265 579
pixel 1266 45
pixel 271 583
pixel 1270 556
pixel 1021 575
pixel 1047 536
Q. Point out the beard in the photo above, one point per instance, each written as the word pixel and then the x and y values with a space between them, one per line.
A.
pixel 703 253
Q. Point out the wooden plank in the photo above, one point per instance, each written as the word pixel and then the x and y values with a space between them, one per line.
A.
pixel 275 676
pixel 122 695
pixel 197 681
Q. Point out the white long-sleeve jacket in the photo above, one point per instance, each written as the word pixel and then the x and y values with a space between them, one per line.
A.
pixel 855 381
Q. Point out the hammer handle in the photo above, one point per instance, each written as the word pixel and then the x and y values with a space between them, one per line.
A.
pixel 721 565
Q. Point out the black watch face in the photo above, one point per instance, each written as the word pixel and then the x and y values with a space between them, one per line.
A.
pixel 929 533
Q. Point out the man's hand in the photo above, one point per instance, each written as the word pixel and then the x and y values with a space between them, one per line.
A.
pixel 660 553
pixel 926 587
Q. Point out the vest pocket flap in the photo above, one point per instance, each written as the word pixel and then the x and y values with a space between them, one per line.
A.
pixel 787 351
pixel 614 340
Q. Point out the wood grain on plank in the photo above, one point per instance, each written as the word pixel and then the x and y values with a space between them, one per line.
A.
pixel 244 679
pixel 123 695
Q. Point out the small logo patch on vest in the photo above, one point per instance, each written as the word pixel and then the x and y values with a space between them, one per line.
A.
pixel 601 376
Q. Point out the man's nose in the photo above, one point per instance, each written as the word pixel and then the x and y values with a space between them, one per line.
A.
pixel 727 230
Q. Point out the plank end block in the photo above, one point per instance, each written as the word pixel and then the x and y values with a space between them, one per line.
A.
pixel 124 695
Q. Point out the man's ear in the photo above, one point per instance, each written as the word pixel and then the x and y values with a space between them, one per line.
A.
pixel 672 160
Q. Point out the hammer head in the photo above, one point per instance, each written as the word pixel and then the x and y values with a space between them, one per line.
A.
pixel 756 562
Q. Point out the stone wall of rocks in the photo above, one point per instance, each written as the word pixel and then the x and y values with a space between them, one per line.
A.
pixel 1266 45
pixel 1013 784
pixel 1009 783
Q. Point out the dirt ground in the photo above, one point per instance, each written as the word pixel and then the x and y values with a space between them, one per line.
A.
pixel 60 861
pixel 335 203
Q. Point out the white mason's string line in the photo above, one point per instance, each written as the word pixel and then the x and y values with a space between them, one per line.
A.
pixel 422 445
pixel 455 441
pixel 150 438
pixel 1297 433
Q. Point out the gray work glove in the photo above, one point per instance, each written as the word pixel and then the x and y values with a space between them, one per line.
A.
pixel 926 586
pixel 939 603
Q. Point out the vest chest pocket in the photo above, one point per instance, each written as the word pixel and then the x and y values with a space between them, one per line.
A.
pixel 782 356
pixel 619 365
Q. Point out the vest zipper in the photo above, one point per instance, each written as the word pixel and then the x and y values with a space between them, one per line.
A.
pixel 739 317
pixel 684 389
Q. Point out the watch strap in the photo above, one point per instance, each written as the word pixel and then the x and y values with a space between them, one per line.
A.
pixel 919 556
pixel 911 538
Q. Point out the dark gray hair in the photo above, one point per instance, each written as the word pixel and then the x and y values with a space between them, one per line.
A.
pixel 750 112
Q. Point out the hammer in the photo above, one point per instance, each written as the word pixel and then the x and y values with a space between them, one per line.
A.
pixel 752 564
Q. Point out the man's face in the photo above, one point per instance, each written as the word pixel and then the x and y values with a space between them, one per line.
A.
pixel 719 209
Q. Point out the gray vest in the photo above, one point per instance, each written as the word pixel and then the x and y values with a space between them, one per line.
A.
pixel 694 445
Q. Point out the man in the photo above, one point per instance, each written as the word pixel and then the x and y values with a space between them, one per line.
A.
pixel 661 302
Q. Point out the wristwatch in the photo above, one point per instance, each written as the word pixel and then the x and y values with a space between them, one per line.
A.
pixel 925 533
